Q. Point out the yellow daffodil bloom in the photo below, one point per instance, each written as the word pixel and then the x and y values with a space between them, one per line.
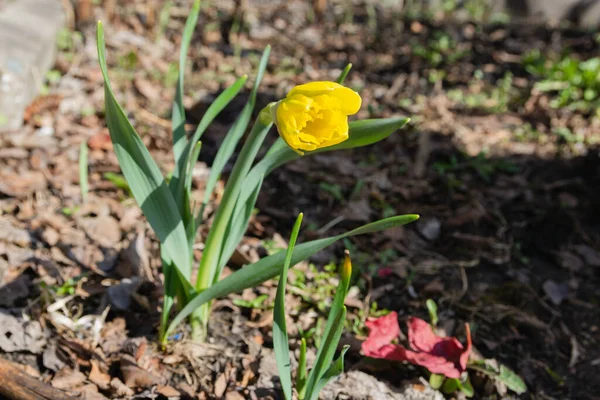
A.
pixel 315 115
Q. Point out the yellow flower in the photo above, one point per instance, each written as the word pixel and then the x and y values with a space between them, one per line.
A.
pixel 315 115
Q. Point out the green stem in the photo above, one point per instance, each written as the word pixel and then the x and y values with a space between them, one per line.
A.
pixel 209 269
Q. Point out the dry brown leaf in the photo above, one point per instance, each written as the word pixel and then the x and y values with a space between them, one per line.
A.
pixel 68 378
pixel 134 376
pixel 99 377
pixel 234 396
pixel 220 386
pixel 168 391
pixel 120 389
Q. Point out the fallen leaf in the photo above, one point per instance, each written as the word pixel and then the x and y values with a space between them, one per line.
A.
pixel 21 184
pixel 439 355
pixel 591 256
pixel 19 335
pixel 233 396
pixel 220 386
pixel 168 391
pixel 98 377
pixel 103 230
pixel 120 389
pixel 557 292
pixel 134 376
pixel 12 234
pixel 68 378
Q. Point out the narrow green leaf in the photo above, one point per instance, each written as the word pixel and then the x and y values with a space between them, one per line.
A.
pixel 280 335
pixel 177 183
pixel 238 224
pixel 344 74
pixel 331 334
pixel 209 270
pixel 143 175
pixel 83 171
pixel 235 133
pixel 190 169
pixel 334 370
pixel 178 115
pixel 317 376
pixel 269 267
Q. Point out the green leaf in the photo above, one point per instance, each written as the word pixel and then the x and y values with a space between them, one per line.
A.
pixel 433 312
pixel 344 74
pixel 269 267
pixel 512 380
pixel 361 133
pixel 178 115
pixel 466 387
pixel 334 370
pixel 436 380
pixel 83 170
pixel 235 133
pixel 331 334
pixel 237 225
pixel 209 270
pixel 500 373
pixel 280 335
pixel 187 159
pixel 319 375
pixel 451 385
pixel 143 175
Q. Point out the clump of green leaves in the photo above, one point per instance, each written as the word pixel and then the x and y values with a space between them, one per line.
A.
pixel 440 49
pixel 175 218
pixel 492 99
pixel 573 83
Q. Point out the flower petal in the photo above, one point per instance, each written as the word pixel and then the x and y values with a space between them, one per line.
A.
pixel 348 99
pixel 312 89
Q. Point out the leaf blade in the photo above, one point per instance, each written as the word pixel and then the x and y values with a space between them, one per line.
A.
pixel 143 175
pixel 280 335
pixel 270 267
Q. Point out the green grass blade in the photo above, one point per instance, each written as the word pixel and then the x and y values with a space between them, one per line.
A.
pixel 332 333
pixel 334 370
pixel 269 267
pixel 235 133
pixel 83 171
pixel 238 224
pixel 209 270
pixel 178 115
pixel 190 168
pixel 143 175
pixel 280 335
pixel 177 184
pixel 344 74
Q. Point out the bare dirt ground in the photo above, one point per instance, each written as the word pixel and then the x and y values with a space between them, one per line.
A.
pixel 507 187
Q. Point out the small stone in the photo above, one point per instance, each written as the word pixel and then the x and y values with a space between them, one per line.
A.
pixel 430 228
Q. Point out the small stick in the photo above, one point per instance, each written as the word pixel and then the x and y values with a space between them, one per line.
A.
pixel 17 385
